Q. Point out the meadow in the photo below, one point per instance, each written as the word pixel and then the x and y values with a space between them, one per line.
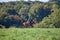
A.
pixel 30 34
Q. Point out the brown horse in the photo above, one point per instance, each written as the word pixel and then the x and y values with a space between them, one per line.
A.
pixel 26 24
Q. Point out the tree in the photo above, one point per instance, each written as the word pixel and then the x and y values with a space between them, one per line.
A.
pixel 22 0
pixel 53 19
pixel 29 0
pixel 36 0
pixel 51 0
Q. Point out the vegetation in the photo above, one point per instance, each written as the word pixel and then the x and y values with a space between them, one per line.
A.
pixel 29 34
pixel 53 19
pixel 46 14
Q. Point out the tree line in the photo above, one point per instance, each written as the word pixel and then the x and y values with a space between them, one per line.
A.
pixel 46 15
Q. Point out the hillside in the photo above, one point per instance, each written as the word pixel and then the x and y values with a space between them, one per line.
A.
pixel 14 14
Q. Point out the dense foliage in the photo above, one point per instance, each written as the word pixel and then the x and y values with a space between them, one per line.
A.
pixel 46 14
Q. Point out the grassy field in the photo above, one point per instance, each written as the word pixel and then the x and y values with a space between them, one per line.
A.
pixel 30 34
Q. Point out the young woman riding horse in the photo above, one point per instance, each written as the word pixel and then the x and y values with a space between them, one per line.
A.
pixel 29 24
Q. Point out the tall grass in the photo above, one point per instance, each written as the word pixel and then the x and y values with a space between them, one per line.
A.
pixel 30 34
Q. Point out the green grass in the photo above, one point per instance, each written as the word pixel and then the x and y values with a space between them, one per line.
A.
pixel 30 34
